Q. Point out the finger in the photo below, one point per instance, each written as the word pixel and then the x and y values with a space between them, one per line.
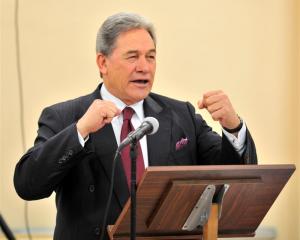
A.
pixel 113 108
pixel 107 105
pixel 215 107
pixel 109 113
pixel 107 120
pixel 218 115
pixel 220 97
pixel 200 104
pixel 118 112
pixel 211 93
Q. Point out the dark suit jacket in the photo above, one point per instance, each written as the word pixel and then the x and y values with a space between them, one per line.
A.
pixel 80 176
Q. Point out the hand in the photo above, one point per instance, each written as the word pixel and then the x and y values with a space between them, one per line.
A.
pixel 220 108
pixel 99 113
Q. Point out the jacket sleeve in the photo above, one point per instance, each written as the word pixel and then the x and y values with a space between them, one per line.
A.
pixel 56 150
pixel 230 156
pixel 214 150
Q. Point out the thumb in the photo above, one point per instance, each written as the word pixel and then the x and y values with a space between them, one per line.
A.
pixel 201 104
pixel 118 112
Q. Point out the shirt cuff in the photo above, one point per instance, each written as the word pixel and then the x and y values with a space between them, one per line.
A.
pixel 81 139
pixel 237 142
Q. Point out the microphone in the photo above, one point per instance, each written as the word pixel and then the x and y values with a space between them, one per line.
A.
pixel 148 127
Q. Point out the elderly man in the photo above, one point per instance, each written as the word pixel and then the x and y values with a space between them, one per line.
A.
pixel 72 154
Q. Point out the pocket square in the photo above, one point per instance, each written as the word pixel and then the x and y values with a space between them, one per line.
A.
pixel 181 143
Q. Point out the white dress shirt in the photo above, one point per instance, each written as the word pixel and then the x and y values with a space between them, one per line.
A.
pixel 136 120
pixel 237 142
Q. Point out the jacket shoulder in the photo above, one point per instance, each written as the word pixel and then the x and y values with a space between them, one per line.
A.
pixel 170 102
pixel 72 109
pixel 75 102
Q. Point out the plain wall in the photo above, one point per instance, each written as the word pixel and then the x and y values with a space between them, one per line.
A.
pixel 248 48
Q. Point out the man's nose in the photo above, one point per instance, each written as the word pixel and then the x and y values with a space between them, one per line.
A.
pixel 142 65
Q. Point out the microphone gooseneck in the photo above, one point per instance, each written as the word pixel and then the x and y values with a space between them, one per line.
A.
pixel 148 127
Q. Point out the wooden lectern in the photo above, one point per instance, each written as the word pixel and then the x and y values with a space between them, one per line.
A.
pixel 202 202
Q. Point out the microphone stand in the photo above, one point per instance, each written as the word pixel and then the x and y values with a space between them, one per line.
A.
pixel 133 156
pixel 7 232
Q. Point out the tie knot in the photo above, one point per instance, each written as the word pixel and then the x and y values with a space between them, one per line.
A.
pixel 127 113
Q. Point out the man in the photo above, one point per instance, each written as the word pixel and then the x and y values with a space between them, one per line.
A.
pixel 77 139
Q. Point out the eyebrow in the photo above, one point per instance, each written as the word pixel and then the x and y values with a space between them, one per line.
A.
pixel 136 52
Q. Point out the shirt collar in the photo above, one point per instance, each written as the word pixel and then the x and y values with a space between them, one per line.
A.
pixel 138 106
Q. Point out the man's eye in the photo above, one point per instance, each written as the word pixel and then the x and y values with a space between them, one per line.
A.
pixel 151 56
pixel 132 57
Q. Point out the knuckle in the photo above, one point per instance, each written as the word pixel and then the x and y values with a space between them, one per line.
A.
pixel 223 96
pixel 226 109
pixel 206 102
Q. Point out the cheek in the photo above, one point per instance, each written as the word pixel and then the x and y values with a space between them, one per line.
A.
pixel 130 68
pixel 120 76
pixel 153 68
pixel 125 71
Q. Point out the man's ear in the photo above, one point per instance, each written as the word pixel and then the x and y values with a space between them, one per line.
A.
pixel 101 63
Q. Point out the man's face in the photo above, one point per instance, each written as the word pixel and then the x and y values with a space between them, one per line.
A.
pixel 128 72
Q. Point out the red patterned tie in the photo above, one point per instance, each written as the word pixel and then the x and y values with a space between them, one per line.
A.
pixel 127 128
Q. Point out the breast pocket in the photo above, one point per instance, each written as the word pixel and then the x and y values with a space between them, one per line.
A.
pixel 182 155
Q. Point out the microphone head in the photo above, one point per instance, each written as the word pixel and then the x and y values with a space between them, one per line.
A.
pixel 154 123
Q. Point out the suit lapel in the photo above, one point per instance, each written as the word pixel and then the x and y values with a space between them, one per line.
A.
pixel 103 143
pixel 159 143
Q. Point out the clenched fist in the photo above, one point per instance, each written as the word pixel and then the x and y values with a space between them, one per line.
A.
pixel 220 108
pixel 99 113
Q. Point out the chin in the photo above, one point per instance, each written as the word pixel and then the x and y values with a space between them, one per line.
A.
pixel 138 98
pixel 139 95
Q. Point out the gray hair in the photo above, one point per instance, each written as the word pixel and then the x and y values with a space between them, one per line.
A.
pixel 116 24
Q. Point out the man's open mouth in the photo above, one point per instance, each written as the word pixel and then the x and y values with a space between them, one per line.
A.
pixel 140 81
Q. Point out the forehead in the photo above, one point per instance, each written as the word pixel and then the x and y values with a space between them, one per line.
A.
pixel 134 40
